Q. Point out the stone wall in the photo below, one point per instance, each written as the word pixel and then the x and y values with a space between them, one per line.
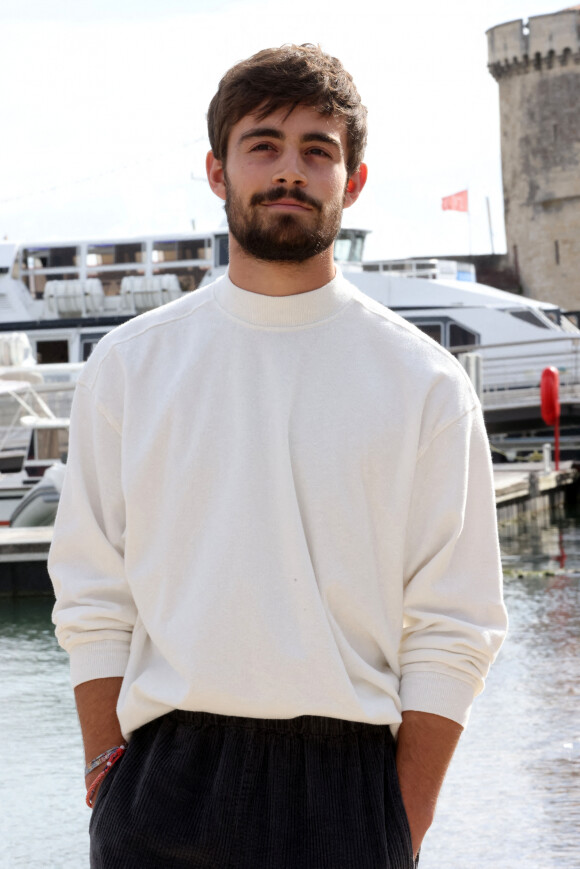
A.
pixel 537 67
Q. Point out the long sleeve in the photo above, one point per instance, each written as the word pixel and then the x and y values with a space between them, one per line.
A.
pixel 94 613
pixel 454 617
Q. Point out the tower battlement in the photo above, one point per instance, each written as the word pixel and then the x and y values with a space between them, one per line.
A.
pixel 537 67
pixel 543 42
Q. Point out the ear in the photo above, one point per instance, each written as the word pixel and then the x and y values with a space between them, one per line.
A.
pixel 355 184
pixel 215 175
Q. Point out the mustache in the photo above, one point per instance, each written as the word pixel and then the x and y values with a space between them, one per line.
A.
pixel 277 193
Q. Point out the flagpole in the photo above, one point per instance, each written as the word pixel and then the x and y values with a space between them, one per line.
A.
pixel 489 222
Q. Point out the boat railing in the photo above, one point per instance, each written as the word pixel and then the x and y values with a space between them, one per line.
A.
pixel 429 269
pixel 47 392
pixel 511 372
pixel 574 340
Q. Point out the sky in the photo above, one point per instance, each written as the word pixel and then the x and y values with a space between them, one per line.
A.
pixel 103 104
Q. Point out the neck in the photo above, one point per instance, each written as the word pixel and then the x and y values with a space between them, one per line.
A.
pixel 279 278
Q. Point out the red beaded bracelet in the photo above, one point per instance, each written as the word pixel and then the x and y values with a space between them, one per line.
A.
pixel 119 752
pixel 98 761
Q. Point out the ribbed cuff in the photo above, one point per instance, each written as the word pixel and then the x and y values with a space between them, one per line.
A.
pixel 99 660
pixel 438 694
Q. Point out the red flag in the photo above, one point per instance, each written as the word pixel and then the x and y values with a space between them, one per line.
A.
pixel 456 202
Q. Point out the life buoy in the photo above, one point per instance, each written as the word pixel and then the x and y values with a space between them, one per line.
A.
pixel 550 395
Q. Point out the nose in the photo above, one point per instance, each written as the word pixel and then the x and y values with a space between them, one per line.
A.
pixel 289 172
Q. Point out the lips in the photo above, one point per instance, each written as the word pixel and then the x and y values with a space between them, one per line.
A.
pixel 287 203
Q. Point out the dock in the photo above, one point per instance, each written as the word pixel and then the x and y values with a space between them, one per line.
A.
pixel 23 554
pixel 523 492
pixel 526 490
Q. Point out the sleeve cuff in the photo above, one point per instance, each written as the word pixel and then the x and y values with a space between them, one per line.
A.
pixel 438 694
pixel 99 660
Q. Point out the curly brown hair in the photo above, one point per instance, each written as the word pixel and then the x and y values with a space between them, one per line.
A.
pixel 282 77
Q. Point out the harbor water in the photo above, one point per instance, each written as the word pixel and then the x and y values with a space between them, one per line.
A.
pixel 512 795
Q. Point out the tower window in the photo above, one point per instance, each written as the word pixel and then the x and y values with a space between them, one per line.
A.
pixel 557 252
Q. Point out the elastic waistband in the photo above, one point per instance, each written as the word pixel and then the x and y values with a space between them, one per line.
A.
pixel 307 725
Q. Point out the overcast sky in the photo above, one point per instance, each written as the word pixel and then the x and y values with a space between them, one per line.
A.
pixel 103 112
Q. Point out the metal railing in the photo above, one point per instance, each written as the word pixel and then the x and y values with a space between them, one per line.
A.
pixel 511 372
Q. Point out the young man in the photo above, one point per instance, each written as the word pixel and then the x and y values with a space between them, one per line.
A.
pixel 276 549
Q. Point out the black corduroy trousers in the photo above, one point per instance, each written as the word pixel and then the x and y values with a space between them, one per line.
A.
pixel 201 790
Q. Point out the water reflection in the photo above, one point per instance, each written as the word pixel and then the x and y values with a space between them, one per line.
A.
pixel 512 796
pixel 42 822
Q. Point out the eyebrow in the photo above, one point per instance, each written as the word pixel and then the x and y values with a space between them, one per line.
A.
pixel 273 133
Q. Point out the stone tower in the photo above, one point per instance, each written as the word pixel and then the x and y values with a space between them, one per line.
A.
pixel 537 67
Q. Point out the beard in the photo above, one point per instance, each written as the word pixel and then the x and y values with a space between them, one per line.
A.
pixel 275 237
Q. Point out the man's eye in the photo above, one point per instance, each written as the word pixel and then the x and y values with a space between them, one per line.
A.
pixel 263 146
pixel 319 152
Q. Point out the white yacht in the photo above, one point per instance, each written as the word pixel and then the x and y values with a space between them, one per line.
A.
pixel 65 295
pixel 34 443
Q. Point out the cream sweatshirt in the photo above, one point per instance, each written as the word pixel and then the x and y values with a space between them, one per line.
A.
pixel 276 507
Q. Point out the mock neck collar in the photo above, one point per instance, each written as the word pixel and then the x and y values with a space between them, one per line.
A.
pixel 301 309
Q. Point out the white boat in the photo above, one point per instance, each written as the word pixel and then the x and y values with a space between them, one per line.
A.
pixel 506 338
pixel 36 438
pixel 66 295
pixel 503 339
pixel 39 505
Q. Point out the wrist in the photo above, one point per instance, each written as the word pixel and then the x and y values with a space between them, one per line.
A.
pixel 420 814
pixel 95 778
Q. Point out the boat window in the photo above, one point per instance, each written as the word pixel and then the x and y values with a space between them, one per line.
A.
pixel 114 254
pixel 349 245
pixel 186 249
pixel 222 243
pixel 528 317
pixel 194 248
pixel 164 251
pixel 88 344
pixel 568 325
pixel 461 337
pixel 60 257
pixel 358 247
pixel 129 253
pixel 553 314
pixel 51 444
pixel 50 257
pixel 52 351
pixel 101 255
pixel 433 330
pixel 36 258
pixel 342 249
